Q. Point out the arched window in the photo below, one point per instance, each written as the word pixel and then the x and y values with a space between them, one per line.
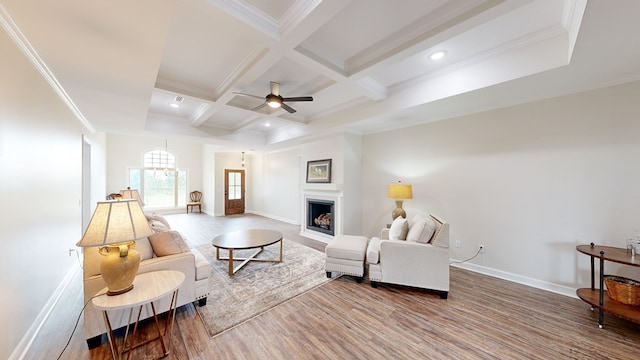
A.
pixel 159 182
pixel 159 159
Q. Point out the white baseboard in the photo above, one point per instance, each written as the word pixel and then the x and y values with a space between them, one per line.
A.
pixel 25 343
pixel 288 221
pixel 539 284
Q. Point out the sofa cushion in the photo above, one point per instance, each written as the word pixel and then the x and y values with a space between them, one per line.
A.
pixel 399 229
pixel 168 243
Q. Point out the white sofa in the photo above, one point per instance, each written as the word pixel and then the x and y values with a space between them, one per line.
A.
pixel 165 250
pixel 418 258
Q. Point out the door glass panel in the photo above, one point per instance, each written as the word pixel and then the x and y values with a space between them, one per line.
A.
pixel 235 186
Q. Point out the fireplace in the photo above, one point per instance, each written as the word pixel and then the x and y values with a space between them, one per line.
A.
pixel 320 216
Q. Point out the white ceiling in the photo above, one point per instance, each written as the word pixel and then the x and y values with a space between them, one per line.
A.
pixel 365 62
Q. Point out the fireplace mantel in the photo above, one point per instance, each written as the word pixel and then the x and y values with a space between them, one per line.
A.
pixel 322 187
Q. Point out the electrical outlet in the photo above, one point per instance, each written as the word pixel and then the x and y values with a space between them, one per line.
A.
pixel 71 250
pixel 457 243
pixel 482 248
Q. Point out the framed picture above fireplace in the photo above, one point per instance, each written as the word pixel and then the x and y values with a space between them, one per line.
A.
pixel 319 171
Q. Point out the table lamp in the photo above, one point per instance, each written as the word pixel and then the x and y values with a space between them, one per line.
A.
pixel 114 227
pixel 399 192
pixel 130 193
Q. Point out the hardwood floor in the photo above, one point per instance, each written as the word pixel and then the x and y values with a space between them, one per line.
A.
pixel 483 318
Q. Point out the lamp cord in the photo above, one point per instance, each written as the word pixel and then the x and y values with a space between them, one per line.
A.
pixel 77 322
pixel 469 259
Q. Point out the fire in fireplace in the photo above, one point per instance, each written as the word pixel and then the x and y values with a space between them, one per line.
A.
pixel 320 216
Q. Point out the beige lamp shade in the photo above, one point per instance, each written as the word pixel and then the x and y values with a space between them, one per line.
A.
pixel 115 222
pixel 399 192
pixel 114 227
pixel 132 194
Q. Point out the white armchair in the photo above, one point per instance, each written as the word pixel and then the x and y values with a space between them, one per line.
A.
pixel 421 260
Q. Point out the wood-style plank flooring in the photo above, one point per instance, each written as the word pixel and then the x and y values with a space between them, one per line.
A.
pixel 483 318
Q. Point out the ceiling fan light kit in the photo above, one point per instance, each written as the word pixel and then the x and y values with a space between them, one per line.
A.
pixel 275 100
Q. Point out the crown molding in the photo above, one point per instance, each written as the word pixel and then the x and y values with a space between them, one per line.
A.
pixel 32 55
pixel 250 15
pixel 296 14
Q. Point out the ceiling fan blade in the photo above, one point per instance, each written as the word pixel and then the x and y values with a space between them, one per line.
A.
pixel 259 107
pixel 254 96
pixel 275 88
pixel 299 98
pixel 288 108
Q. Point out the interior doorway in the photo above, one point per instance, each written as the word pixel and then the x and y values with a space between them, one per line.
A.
pixel 86 183
pixel 233 192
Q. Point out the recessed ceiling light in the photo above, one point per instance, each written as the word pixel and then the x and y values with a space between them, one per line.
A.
pixel 437 55
pixel 267 124
pixel 174 105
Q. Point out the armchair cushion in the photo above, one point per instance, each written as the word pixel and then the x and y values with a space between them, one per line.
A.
pixel 422 229
pixel 415 228
pixel 399 229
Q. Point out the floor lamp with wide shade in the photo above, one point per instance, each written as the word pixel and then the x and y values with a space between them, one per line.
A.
pixel 114 227
pixel 399 192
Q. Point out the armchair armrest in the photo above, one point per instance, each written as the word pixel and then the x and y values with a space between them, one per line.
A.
pixel 414 264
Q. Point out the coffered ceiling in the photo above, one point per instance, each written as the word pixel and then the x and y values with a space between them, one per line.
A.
pixel 366 63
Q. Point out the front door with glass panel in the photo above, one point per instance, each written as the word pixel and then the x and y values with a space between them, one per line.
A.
pixel 234 192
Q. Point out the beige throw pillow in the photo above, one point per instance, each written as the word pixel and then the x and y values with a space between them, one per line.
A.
pixel 168 243
pixel 399 229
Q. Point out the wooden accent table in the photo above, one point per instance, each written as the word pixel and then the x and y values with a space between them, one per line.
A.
pixel 598 298
pixel 148 287
pixel 246 239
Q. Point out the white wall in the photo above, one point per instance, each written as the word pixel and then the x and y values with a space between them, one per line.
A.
pixel 125 151
pixel 277 190
pixel 530 182
pixel 41 188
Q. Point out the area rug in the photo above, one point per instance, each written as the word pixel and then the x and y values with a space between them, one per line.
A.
pixel 259 286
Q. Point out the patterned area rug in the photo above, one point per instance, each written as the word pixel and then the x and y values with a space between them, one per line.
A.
pixel 258 286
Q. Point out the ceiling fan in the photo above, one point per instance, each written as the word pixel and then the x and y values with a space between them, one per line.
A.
pixel 275 100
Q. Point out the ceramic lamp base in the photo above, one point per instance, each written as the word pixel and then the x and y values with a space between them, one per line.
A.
pixel 119 267
pixel 398 211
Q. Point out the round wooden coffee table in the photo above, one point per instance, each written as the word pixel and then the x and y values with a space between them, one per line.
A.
pixel 246 239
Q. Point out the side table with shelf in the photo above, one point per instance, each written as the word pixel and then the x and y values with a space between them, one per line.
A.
pixel 598 297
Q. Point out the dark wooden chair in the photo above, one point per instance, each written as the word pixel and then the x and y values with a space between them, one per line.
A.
pixel 196 197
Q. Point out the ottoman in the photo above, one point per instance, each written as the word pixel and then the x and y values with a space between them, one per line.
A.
pixel 346 254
